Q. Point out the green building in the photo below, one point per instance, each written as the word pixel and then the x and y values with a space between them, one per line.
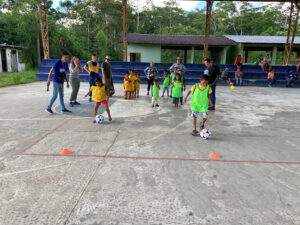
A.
pixel 149 47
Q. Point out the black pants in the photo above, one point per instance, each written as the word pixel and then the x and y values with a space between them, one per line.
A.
pixel 150 83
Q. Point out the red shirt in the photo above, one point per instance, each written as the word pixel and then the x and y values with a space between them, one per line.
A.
pixel 238 59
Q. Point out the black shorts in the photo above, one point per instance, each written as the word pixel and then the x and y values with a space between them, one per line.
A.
pixel 175 101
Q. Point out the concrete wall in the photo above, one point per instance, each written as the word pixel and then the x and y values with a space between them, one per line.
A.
pixel 148 52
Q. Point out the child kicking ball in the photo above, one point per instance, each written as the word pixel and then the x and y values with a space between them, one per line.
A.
pixel 99 96
pixel 200 102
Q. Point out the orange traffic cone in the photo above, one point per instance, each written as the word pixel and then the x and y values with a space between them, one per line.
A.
pixel 65 152
pixel 214 156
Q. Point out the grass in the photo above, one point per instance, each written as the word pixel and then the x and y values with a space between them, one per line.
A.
pixel 23 77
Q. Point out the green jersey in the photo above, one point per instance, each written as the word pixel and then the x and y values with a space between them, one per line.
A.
pixel 200 99
pixel 166 81
pixel 177 89
pixel 155 91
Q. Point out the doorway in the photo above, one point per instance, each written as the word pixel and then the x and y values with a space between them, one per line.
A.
pixel 3 60
pixel 14 61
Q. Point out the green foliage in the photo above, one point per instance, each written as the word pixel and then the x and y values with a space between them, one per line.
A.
pixel 83 27
pixel 17 78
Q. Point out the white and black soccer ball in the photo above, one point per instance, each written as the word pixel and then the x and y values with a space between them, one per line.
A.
pixel 205 133
pixel 99 118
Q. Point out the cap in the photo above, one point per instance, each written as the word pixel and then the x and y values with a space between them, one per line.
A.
pixel 107 57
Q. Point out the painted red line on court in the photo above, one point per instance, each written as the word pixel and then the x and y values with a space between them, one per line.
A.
pixel 42 137
pixel 166 158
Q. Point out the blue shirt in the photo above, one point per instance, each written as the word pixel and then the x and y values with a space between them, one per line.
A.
pixel 59 69
pixel 289 75
pixel 93 74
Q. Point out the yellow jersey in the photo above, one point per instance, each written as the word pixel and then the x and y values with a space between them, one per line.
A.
pixel 99 93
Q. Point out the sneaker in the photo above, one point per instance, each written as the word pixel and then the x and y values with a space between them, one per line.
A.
pixel 76 103
pixel 71 104
pixel 90 99
pixel 157 105
pixel 195 133
pixel 148 93
pixel 211 108
pixel 66 110
pixel 49 111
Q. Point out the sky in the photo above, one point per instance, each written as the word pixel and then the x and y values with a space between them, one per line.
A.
pixel 186 5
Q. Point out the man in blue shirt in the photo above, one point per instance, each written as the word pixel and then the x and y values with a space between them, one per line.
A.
pixel 60 69
pixel 289 76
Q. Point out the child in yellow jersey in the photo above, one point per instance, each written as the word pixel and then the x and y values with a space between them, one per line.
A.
pixel 200 102
pixel 99 96
pixel 131 83
pixel 138 85
pixel 127 86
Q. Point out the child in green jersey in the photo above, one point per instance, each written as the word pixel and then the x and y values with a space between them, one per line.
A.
pixel 172 78
pixel 200 101
pixel 155 93
pixel 177 87
pixel 166 83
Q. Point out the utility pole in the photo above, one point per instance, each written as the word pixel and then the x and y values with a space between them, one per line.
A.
pixel 209 4
pixel 124 4
pixel 43 13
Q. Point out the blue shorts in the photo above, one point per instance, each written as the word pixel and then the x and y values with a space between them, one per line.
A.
pixel 196 114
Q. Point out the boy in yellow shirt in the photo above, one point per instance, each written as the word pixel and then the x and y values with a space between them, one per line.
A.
pixel 200 101
pixel 99 96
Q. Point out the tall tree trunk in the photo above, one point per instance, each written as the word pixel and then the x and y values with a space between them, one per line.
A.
pixel 38 44
pixel 286 49
pixel 43 13
pixel 293 35
pixel 209 4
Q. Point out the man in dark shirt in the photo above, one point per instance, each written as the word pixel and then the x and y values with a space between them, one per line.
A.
pixel 213 73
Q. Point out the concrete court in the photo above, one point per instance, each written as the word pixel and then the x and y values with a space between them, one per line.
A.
pixel 144 167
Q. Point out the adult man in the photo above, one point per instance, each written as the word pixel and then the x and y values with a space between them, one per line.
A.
pixel 213 73
pixel 60 69
pixel 92 67
pixel 267 63
pixel 106 74
pixel 180 67
pixel 151 73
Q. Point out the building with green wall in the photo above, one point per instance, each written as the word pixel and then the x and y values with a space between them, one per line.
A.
pixel 149 47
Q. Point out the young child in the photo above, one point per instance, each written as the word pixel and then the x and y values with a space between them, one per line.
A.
pixel 289 76
pixel 238 77
pixel 99 96
pixel 135 83
pixel 172 77
pixel 127 86
pixel 271 77
pixel 131 78
pixel 166 83
pixel 177 89
pixel 200 102
pixel 138 85
pixel 155 93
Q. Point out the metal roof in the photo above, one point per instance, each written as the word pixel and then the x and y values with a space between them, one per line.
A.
pixel 4 45
pixel 177 39
pixel 251 39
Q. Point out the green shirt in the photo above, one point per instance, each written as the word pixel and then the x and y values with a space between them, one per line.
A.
pixel 200 99
pixel 166 81
pixel 177 89
pixel 155 91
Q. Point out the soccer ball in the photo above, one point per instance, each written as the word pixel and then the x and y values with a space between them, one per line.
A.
pixel 99 118
pixel 205 133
